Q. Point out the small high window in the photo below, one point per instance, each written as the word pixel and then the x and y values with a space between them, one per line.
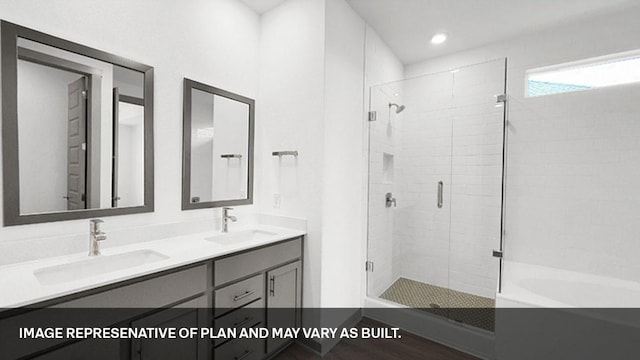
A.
pixel 592 73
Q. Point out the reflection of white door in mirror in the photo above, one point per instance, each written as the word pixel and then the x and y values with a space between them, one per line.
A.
pixel 76 145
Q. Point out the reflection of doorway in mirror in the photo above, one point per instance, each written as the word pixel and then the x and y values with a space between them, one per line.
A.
pixel 52 131
pixel 76 154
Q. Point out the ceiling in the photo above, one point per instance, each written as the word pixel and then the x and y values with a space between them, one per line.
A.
pixel 408 25
pixel 262 6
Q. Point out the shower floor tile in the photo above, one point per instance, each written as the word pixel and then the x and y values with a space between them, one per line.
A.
pixel 470 309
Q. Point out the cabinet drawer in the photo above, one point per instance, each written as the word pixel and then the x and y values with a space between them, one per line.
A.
pixel 153 293
pixel 240 349
pixel 238 266
pixel 238 294
pixel 244 317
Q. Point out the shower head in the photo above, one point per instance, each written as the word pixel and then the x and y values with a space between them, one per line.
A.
pixel 399 108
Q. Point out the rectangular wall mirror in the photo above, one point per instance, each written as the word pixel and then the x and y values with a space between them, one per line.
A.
pixel 77 130
pixel 217 147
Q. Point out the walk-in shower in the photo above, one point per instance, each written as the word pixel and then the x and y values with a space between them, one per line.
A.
pixel 442 167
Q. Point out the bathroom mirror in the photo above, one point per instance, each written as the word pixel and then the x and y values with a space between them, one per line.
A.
pixel 77 130
pixel 217 147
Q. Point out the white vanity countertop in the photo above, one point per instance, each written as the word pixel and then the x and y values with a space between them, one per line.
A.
pixel 19 285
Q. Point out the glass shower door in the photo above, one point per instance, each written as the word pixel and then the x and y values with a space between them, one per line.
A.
pixel 410 163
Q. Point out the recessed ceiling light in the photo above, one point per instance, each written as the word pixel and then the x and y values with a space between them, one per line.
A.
pixel 396 94
pixel 439 38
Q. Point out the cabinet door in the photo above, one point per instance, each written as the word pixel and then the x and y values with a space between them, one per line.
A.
pixel 284 295
pixel 190 314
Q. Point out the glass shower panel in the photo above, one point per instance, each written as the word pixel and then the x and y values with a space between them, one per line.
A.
pixel 476 191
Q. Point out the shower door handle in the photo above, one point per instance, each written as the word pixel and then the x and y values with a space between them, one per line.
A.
pixel 440 189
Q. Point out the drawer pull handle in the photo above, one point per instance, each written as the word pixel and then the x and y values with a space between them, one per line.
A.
pixel 246 320
pixel 246 353
pixel 272 286
pixel 246 294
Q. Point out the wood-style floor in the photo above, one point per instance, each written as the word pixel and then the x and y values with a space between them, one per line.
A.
pixel 408 347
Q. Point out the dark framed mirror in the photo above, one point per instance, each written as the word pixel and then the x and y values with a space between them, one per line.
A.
pixel 77 130
pixel 218 143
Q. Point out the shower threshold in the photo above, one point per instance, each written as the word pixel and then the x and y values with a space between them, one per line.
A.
pixel 473 310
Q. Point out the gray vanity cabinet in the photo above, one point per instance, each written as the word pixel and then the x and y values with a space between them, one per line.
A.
pixel 258 288
pixel 283 300
pixel 255 288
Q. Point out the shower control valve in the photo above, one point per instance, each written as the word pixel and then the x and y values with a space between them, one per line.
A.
pixel 390 200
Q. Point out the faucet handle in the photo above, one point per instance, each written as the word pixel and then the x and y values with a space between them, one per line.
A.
pixel 94 224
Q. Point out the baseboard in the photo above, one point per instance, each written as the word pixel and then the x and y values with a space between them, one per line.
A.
pixel 351 321
pixel 323 346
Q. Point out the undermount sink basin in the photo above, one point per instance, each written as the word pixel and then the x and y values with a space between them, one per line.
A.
pixel 236 237
pixel 94 266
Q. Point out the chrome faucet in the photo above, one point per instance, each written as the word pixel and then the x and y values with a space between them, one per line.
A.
pixel 225 219
pixel 95 235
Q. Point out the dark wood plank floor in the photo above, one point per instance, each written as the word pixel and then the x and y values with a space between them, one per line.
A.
pixel 408 347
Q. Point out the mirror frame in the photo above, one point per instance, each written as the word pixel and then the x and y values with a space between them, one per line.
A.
pixel 10 160
pixel 186 146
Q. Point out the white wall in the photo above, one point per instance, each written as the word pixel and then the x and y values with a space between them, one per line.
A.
pixel 290 113
pixel 153 33
pixel 317 61
pixel 572 165
pixel 343 161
